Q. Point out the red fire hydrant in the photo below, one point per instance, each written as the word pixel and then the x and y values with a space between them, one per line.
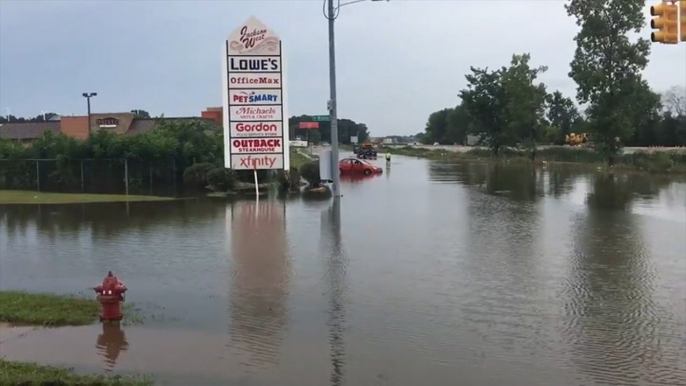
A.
pixel 110 294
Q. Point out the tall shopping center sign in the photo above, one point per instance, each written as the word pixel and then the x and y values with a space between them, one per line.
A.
pixel 255 115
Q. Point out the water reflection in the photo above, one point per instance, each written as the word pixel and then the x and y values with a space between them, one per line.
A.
pixel 336 270
pixel 259 283
pixel 102 220
pixel 111 342
pixel 470 274
pixel 614 322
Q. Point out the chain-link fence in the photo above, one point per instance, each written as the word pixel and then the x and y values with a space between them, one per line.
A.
pixel 115 176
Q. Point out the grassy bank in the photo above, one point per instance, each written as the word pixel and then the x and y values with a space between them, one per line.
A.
pixel 25 373
pixel 47 309
pixel 24 308
pixel 29 197
pixel 663 162
pixel 43 309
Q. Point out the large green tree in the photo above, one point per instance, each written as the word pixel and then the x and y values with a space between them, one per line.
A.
pixel 485 98
pixel 525 99
pixel 607 67
pixel 437 126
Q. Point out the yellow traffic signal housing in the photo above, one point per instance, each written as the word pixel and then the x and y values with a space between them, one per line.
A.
pixel 667 23
pixel 682 19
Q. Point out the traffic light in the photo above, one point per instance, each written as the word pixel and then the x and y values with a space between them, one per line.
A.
pixel 666 22
pixel 682 19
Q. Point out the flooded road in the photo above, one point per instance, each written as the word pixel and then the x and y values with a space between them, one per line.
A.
pixel 430 274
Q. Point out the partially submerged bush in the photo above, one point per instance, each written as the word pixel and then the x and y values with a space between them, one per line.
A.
pixel 289 181
pixel 310 172
pixel 220 179
pixel 196 174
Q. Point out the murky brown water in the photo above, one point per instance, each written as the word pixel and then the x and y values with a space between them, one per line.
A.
pixel 433 274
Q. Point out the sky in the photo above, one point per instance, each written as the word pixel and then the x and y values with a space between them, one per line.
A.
pixel 397 61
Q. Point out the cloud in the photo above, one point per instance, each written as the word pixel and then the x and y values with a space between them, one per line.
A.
pixel 397 61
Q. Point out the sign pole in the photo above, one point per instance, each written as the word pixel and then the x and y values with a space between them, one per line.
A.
pixel 257 188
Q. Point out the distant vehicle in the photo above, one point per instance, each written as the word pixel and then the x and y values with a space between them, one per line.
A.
pixel 436 144
pixel 356 149
pixel 326 144
pixel 355 166
pixel 368 153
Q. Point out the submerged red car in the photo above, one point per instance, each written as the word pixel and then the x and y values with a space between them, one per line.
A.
pixel 356 166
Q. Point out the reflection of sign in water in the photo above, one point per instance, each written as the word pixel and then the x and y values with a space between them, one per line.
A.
pixel 259 284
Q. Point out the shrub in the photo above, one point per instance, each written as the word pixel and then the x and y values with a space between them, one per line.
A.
pixel 221 179
pixel 310 172
pixel 289 180
pixel 196 174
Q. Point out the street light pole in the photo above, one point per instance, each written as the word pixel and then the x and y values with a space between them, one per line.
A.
pixel 333 109
pixel 88 96
pixel 331 15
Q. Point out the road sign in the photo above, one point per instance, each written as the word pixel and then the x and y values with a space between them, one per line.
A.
pixel 321 118
pixel 254 100
pixel 308 125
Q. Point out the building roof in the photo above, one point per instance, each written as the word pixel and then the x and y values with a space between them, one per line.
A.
pixel 27 130
pixel 33 130
pixel 146 125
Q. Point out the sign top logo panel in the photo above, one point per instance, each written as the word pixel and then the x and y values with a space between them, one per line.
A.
pixel 254 38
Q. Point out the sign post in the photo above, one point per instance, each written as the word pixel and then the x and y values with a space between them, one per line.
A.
pixel 255 100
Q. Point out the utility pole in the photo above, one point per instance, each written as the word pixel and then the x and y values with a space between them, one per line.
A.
pixel 333 109
pixel 88 96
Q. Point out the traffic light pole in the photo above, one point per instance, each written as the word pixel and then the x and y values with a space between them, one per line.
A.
pixel 333 109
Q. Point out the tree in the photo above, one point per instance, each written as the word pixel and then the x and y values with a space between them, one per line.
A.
pixel 525 100
pixel 437 126
pixel 459 124
pixel 607 66
pixel 38 118
pixel 562 114
pixel 674 101
pixel 485 99
pixel 140 114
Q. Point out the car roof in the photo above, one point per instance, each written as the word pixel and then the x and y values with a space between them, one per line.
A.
pixel 355 159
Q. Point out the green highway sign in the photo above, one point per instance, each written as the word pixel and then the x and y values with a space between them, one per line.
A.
pixel 321 118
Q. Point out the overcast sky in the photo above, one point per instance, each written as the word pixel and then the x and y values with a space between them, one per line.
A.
pixel 397 61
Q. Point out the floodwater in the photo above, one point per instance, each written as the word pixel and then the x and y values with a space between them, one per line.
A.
pixel 430 274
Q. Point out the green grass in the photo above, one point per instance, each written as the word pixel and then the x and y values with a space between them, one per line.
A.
pixel 29 197
pixel 27 373
pixel 47 309
pixel 660 162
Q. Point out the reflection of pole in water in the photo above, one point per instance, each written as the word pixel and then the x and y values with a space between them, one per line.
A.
pixel 111 343
pixel 259 284
pixel 331 229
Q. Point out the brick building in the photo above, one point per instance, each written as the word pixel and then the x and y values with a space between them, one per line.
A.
pixel 215 114
pixel 78 126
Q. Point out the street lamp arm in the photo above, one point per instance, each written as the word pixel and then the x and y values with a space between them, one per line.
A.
pixel 339 5
pixel 348 3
